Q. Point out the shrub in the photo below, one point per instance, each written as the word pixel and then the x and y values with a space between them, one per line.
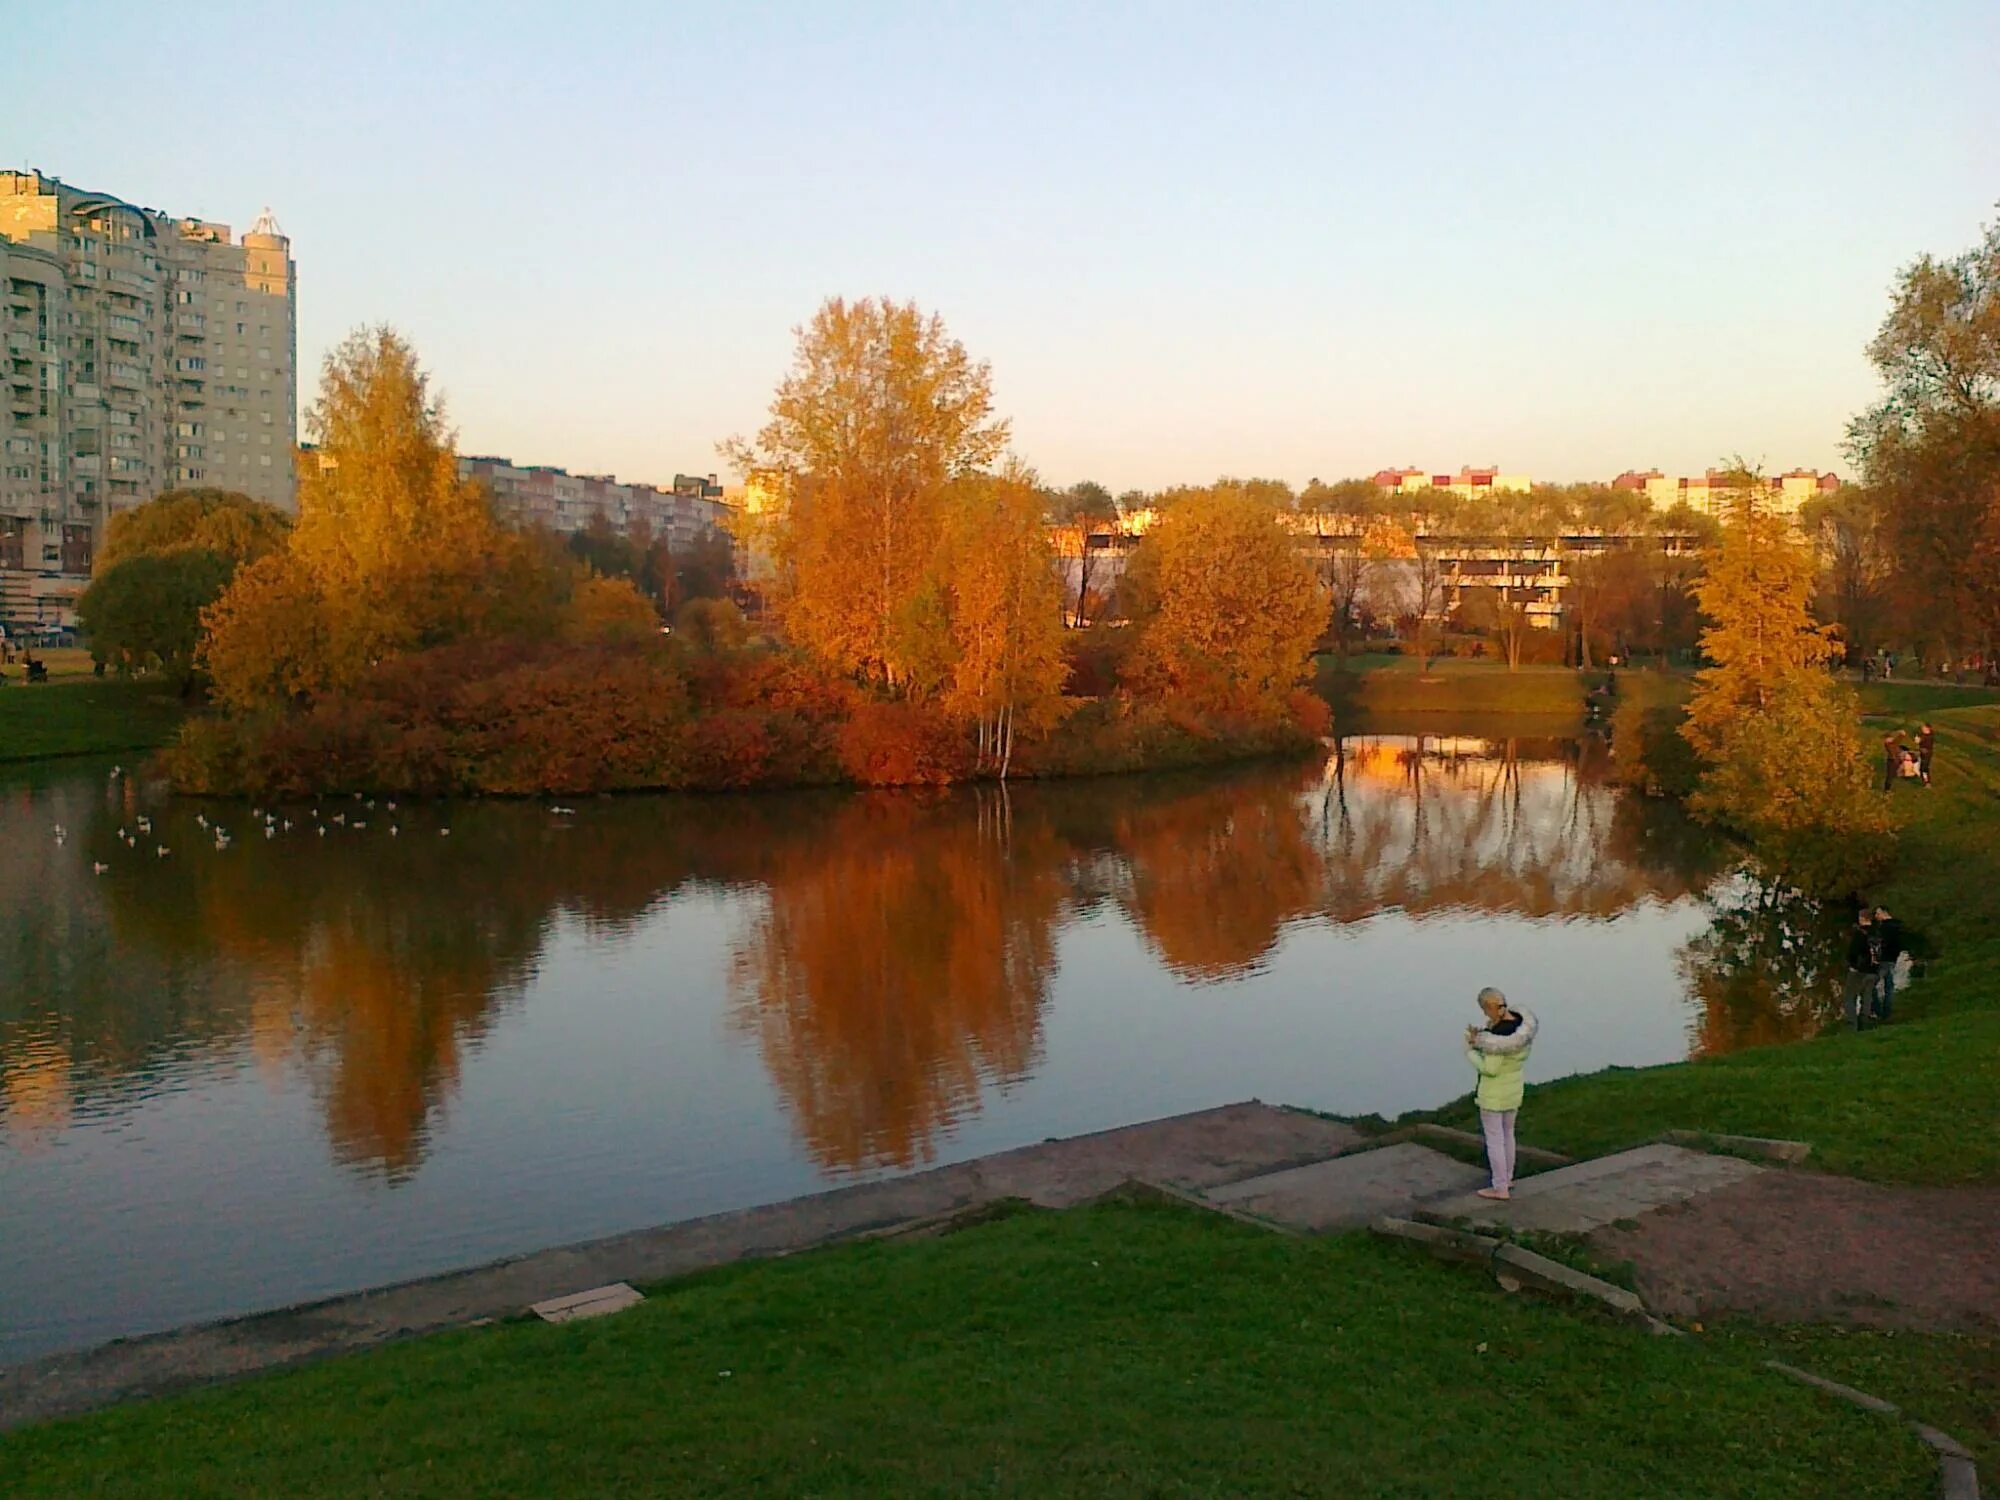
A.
pixel 903 744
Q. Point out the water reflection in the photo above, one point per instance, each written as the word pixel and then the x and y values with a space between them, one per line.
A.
pixel 892 958
pixel 1770 967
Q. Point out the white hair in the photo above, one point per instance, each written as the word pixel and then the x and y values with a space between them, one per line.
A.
pixel 1489 993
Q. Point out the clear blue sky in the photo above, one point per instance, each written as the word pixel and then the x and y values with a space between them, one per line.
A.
pixel 1191 239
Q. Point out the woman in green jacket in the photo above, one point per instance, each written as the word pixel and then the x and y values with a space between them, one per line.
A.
pixel 1497 1052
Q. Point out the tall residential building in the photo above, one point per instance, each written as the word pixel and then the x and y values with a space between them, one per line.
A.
pixel 541 495
pixel 142 353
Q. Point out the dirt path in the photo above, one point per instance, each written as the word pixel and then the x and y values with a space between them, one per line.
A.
pixel 1802 1247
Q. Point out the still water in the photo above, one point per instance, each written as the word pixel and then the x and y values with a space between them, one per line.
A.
pixel 234 1078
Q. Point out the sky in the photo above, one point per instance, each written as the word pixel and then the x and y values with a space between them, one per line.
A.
pixel 1192 240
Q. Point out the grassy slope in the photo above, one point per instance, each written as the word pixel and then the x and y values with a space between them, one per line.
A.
pixel 1914 1102
pixel 1393 685
pixel 1117 1350
pixel 84 717
pixel 1948 1380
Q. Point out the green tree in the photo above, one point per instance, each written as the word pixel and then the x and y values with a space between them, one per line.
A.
pixel 145 610
pixel 163 563
pixel 1931 445
pixel 880 412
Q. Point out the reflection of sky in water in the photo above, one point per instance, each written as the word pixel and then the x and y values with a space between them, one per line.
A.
pixel 231 1080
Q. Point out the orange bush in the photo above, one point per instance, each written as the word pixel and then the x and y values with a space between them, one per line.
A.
pixel 903 744
pixel 1310 712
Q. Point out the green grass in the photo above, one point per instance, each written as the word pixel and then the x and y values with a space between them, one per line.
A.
pixel 1121 1350
pixel 1950 1381
pixel 87 717
pixel 1903 699
pixel 1915 1102
pixel 1378 685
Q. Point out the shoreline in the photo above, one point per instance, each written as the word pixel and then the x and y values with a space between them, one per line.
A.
pixel 1202 1148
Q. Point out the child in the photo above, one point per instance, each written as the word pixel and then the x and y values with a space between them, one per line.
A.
pixel 1497 1053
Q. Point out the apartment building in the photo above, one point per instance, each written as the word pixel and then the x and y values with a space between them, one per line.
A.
pixel 542 495
pixel 1709 494
pixel 142 352
pixel 1467 482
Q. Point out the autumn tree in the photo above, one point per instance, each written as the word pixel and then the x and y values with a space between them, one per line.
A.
pixel 1931 445
pixel 1344 519
pixel 1236 611
pixel 1776 732
pixel 1075 515
pixel 1848 532
pixel 225 522
pixel 163 563
pixel 1006 614
pixel 1499 609
pixel 391 553
pixel 1419 524
pixel 879 413
pixel 381 483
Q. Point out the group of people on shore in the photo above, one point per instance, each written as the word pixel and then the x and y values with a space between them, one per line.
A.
pixel 1874 951
pixel 1907 756
pixel 1966 671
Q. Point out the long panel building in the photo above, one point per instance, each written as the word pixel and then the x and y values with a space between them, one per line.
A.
pixel 142 352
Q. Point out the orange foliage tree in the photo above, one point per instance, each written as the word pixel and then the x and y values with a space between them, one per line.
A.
pixel 881 411
pixel 392 552
pixel 1235 610
pixel 1006 614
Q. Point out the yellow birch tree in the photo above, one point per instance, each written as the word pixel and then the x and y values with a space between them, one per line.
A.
pixel 880 412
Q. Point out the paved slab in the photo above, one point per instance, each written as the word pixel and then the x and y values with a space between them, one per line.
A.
pixel 1591 1194
pixel 1350 1191
pixel 1200 1150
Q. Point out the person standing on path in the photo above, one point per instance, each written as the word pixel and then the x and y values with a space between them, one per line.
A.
pixel 1497 1051
pixel 1926 746
pixel 1888 949
pixel 1861 969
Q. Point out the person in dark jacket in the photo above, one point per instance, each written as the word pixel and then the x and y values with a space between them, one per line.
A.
pixel 1892 760
pixel 1888 949
pixel 1926 746
pixel 1862 969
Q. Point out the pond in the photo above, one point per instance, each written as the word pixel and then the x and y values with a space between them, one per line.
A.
pixel 362 1043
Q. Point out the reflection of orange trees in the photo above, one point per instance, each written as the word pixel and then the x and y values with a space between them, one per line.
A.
pixel 375 962
pixel 34 1087
pixel 1428 823
pixel 903 959
pixel 1212 877
pixel 1769 968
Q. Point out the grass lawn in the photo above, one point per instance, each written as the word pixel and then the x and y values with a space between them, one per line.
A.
pixel 86 717
pixel 1949 1380
pixel 1380 684
pixel 1108 1351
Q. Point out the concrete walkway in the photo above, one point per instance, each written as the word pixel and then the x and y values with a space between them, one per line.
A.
pixel 1591 1194
pixel 1350 1191
pixel 1202 1150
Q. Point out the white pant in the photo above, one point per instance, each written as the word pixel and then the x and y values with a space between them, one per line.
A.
pixel 1499 1127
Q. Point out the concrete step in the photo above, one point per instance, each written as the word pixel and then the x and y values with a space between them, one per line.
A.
pixel 1591 1194
pixel 1347 1192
